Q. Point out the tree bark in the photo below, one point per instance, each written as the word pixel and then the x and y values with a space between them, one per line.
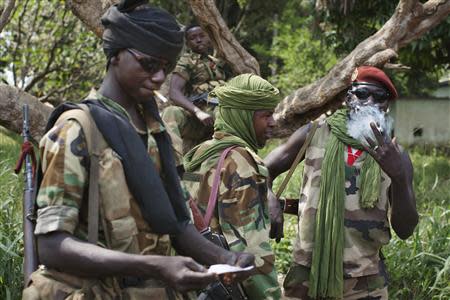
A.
pixel 90 12
pixel 5 13
pixel 11 102
pixel 224 41
pixel 410 21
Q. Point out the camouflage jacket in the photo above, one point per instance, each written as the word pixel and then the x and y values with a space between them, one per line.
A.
pixel 241 213
pixel 365 230
pixel 201 72
pixel 62 203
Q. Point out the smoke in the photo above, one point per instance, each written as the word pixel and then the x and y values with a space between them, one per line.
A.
pixel 358 125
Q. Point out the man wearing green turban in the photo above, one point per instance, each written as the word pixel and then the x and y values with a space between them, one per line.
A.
pixel 357 183
pixel 244 121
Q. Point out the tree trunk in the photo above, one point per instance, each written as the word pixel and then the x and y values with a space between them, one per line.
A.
pixel 90 12
pixel 410 21
pixel 224 42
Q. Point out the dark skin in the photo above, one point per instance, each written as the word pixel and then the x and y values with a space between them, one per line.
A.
pixel 264 123
pixel 128 84
pixel 198 41
pixel 392 160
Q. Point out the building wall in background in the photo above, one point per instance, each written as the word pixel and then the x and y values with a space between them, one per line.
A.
pixel 422 121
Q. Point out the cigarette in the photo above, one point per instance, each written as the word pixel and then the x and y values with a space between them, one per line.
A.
pixel 161 96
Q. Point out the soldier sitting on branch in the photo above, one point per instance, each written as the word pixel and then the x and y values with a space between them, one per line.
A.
pixel 197 72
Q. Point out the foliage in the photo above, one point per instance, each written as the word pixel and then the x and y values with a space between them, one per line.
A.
pixel 46 51
pixel 300 57
pixel 11 246
pixel 428 57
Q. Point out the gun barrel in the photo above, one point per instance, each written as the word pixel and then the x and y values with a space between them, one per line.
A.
pixel 30 253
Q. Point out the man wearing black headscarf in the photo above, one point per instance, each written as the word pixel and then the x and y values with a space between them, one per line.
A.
pixel 141 204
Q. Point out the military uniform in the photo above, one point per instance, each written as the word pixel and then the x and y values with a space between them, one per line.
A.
pixel 365 230
pixel 202 74
pixel 62 206
pixel 241 212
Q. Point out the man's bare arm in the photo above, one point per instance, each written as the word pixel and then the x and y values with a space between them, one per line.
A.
pixel 176 93
pixel 64 252
pixel 404 216
pixel 282 157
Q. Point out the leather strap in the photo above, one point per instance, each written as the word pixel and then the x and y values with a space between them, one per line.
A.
pixel 299 156
pixel 215 186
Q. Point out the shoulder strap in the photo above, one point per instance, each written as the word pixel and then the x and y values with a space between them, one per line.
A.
pixel 215 186
pixel 200 222
pixel 300 154
pixel 93 136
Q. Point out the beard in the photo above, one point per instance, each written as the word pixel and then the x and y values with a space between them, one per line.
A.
pixel 358 124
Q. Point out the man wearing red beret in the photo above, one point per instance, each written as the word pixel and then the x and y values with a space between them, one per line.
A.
pixel 357 183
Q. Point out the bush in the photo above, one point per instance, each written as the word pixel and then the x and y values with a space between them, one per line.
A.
pixel 11 245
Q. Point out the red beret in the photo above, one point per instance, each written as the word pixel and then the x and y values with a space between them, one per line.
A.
pixel 375 76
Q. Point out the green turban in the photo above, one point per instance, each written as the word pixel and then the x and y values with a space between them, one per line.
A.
pixel 239 98
pixel 247 91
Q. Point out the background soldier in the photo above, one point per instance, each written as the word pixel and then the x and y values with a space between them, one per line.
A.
pixel 141 221
pixel 197 73
pixel 354 175
pixel 244 119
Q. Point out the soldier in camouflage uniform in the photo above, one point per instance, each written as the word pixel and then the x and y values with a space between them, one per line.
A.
pixel 360 221
pixel 141 222
pixel 244 119
pixel 197 72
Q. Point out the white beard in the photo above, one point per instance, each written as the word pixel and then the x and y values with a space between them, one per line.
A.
pixel 358 125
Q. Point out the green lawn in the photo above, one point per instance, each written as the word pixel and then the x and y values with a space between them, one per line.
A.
pixel 419 267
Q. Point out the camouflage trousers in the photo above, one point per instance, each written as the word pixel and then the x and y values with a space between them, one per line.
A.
pixel 371 287
pixel 52 285
pixel 185 130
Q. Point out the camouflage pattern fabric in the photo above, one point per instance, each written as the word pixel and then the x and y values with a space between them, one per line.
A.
pixel 202 74
pixel 62 207
pixel 371 287
pixel 365 230
pixel 241 213
pixel 185 130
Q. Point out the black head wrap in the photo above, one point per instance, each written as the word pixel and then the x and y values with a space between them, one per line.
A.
pixel 151 30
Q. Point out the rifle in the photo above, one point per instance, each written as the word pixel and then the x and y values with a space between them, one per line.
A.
pixel 203 97
pixel 27 155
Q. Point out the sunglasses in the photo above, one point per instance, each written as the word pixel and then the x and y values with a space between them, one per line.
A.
pixel 151 64
pixel 363 93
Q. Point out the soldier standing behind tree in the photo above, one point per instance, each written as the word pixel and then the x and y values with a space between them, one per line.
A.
pixel 197 72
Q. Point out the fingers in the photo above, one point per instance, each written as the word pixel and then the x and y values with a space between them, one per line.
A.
pixel 245 260
pixel 378 136
pixel 191 280
pixel 194 266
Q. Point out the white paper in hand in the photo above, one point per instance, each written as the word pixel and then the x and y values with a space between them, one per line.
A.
pixel 222 269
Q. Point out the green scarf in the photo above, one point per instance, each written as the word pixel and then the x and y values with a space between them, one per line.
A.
pixel 238 100
pixel 327 275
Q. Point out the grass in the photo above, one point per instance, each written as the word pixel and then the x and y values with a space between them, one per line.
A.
pixel 11 246
pixel 419 267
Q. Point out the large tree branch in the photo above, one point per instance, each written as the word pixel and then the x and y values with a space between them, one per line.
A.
pixel 5 13
pixel 224 42
pixel 12 100
pixel 410 21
